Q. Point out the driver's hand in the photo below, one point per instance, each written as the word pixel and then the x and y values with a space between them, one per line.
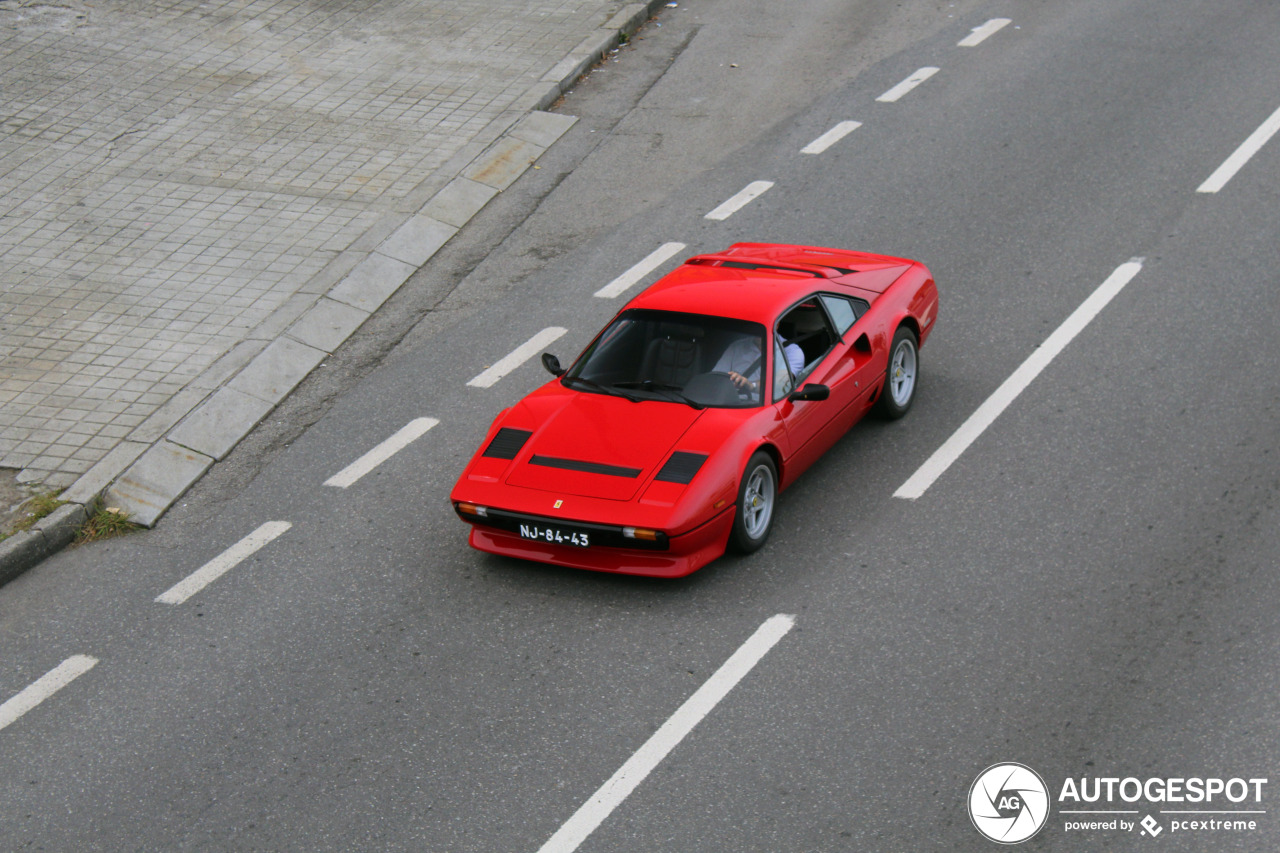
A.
pixel 742 382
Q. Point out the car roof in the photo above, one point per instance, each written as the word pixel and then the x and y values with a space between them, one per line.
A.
pixel 758 281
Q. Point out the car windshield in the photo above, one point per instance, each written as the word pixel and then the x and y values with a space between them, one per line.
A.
pixel 694 359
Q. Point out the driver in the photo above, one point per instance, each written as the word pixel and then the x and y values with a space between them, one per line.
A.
pixel 742 360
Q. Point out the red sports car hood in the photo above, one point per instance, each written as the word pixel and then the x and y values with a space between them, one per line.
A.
pixel 596 445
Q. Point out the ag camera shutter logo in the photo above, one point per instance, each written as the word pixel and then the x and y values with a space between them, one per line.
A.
pixel 1008 803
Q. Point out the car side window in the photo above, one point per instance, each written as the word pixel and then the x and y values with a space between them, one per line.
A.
pixel 844 312
pixel 807 336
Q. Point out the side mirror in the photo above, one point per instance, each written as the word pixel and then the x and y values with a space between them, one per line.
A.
pixel 810 392
pixel 552 364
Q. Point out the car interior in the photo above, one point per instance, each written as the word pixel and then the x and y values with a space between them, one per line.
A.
pixel 682 355
pixel 806 326
pixel 674 356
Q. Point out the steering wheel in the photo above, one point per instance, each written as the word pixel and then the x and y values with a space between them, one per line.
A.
pixel 713 389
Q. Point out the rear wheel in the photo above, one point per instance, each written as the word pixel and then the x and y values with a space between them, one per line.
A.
pixel 900 377
pixel 757 495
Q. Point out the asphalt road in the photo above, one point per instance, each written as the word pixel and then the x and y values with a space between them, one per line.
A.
pixel 1089 589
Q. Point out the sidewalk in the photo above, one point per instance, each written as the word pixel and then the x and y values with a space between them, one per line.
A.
pixel 200 202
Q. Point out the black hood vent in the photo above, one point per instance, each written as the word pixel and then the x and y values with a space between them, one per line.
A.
pixel 507 443
pixel 587 467
pixel 681 467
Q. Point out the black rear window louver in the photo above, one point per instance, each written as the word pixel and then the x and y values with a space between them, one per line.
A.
pixel 507 443
pixel 681 467
pixel 766 265
pixel 746 265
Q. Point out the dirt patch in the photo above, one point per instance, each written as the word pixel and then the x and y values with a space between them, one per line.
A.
pixel 12 496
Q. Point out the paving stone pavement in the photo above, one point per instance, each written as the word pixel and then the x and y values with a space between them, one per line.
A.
pixel 200 200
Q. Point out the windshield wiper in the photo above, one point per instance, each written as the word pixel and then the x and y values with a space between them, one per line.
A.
pixel 611 390
pixel 672 391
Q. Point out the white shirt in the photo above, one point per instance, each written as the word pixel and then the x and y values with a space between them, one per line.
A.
pixel 740 355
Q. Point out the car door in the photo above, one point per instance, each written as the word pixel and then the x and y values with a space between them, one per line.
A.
pixel 836 354
pixel 855 361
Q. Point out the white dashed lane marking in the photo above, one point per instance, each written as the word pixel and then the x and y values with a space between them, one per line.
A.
pixel 403 437
pixel 519 356
pixel 223 563
pixel 831 137
pixel 673 731
pixel 980 34
pixel 907 85
pixel 749 193
pixel 1242 155
pixel 655 259
pixel 44 687
pixel 986 414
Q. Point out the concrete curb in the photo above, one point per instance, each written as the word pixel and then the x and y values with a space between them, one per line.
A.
pixel 47 536
pixel 164 456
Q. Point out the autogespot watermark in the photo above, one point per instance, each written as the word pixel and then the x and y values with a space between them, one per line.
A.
pixel 1009 803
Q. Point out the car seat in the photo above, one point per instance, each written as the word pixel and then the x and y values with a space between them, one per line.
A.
pixel 671 360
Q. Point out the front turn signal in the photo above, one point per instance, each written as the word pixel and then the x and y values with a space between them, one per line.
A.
pixel 472 509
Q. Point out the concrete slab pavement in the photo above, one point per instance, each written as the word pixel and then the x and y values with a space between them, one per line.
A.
pixel 200 202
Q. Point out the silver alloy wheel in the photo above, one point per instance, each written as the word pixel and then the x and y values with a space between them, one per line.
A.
pixel 757 501
pixel 902 372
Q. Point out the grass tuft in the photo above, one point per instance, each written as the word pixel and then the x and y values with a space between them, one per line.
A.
pixel 104 523
pixel 34 509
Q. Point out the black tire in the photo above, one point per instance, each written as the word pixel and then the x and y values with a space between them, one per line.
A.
pixel 901 376
pixel 757 501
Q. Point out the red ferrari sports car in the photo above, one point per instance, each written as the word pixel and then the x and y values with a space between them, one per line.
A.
pixel 671 436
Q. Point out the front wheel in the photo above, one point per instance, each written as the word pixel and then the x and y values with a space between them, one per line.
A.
pixel 900 377
pixel 757 495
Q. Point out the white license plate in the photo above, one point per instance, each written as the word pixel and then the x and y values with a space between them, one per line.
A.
pixel 555 535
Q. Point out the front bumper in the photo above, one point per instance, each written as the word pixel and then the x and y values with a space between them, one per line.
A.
pixel 600 534
pixel 682 555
